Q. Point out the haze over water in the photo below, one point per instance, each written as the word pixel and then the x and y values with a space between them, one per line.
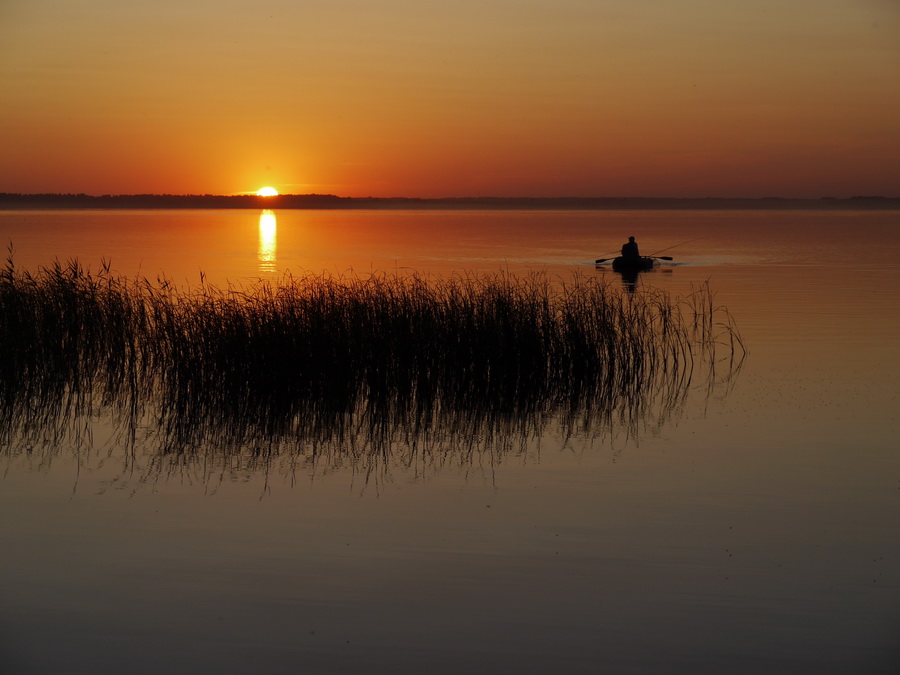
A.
pixel 754 530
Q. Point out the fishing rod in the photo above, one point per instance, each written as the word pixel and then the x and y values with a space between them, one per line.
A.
pixel 659 257
pixel 671 247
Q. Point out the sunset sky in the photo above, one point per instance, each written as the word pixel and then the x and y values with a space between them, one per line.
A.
pixel 793 98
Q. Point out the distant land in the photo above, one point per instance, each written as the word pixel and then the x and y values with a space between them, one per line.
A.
pixel 10 201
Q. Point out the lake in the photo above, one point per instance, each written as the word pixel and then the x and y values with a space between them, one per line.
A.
pixel 751 528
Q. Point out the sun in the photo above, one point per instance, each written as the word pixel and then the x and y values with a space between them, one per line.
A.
pixel 267 192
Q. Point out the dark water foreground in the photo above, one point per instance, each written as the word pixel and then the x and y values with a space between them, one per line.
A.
pixel 753 532
pixel 330 370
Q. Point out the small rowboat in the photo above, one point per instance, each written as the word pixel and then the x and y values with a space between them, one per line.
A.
pixel 621 264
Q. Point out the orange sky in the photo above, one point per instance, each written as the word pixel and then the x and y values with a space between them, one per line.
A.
pixel 463 98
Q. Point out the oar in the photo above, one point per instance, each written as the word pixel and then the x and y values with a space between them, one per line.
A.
pixel 655 257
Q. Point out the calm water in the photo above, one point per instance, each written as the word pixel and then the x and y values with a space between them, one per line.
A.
pixel 755 531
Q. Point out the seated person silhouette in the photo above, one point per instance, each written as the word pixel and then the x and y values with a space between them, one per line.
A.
pixel 630 250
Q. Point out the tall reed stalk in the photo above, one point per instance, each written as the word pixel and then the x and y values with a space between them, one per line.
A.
pixel 351 368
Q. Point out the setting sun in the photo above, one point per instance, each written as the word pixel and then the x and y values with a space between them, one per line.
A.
pixel 267 192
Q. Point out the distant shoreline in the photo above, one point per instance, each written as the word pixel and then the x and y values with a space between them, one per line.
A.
pixel 16 201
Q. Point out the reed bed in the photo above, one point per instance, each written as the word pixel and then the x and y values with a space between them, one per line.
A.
pixel 358 369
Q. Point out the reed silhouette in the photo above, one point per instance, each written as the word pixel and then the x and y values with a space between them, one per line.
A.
pixel 336 370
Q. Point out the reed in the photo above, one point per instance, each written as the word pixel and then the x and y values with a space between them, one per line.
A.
pixel 351 368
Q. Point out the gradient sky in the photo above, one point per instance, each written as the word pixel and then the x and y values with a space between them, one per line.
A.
pixel 794 98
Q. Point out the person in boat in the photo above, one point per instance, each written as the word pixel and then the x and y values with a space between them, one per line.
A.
pixel 630 250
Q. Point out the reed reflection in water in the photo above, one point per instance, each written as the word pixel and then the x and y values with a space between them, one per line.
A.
pixel 322 371
pixel 268 241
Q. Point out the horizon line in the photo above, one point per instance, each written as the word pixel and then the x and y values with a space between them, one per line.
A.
pixel 255 197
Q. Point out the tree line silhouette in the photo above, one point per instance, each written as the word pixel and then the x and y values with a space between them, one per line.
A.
pixel 10 200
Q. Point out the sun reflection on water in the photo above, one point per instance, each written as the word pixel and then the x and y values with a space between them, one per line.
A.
pixel 268 241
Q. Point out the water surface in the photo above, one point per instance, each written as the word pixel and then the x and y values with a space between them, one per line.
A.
pixel 755 531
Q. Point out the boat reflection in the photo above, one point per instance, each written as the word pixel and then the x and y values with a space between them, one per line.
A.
pixel 631 275
pixel 268 241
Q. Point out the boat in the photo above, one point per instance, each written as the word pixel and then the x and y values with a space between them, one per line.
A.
pixel 622 264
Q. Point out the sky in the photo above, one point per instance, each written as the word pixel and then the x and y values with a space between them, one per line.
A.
pixel 427 98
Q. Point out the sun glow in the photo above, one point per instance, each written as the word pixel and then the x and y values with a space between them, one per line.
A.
pixel 267 192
